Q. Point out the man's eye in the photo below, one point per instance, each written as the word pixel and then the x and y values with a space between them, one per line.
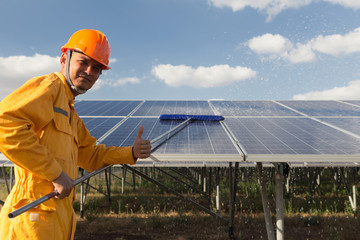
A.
pixel 98 69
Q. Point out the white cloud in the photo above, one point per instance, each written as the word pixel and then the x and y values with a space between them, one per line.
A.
pixel 301 53
pixel 274 7
pixel 201 77
pixel 270 44
pixel 124 81
pixel 270 7
pixel 275 46
pixel 15 70
pixel 337 44
pixel 355 4
pixel 350 92
pixel 278 47
pixel 108 82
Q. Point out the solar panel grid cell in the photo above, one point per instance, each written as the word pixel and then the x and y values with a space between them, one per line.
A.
pixel 349 124
pixel 355 102
pixel 157 108
pixel 251 108
pixel 105 108
pixel 125 134
pixel 323 108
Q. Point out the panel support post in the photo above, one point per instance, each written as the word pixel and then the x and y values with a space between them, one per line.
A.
pixel 231 207
pixel 5 178
pixel 123 180
pixel 217 190
pixel 108 183
pixel 11 177
pixel 266 203
pixel 233 187
pixel 279 183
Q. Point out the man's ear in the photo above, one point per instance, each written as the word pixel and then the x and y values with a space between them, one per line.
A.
pixel 63 59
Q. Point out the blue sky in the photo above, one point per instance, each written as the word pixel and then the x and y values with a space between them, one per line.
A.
pixel 193 49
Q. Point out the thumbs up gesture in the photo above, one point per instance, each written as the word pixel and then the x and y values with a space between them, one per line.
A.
pixel 142 147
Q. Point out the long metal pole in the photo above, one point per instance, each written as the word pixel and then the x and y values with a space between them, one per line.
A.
pixel 53 194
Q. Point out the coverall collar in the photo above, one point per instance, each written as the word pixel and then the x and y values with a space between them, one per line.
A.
pixel 68 91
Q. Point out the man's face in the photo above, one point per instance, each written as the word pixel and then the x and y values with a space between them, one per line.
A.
pixel 84 71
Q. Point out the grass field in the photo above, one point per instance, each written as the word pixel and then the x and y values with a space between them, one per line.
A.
pixel 145 211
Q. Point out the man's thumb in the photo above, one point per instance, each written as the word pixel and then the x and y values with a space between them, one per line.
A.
pixel 140 133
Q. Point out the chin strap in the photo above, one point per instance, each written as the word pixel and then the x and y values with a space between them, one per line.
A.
pixel 72 86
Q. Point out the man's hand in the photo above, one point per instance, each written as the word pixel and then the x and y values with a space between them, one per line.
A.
pixel 141 148
pixel 63 185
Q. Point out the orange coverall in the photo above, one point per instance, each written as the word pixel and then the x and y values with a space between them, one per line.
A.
pixel 41 133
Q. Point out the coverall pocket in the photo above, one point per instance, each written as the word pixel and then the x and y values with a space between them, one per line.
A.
pixel 62 123
pixel 34 225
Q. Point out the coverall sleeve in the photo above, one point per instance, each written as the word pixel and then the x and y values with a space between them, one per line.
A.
pixel 23 115
pixel 93 156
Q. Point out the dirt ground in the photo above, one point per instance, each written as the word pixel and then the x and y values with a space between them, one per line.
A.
pixel 201 226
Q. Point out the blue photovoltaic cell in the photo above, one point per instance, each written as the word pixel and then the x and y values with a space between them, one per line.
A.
pixel 105 108
pixel 251 108
pixel 348 124
pixel 156 108
pixel 291 136
pixel 125 134
pixel 355 102
pixel 323 108
pixel 99 126
pixel 199 137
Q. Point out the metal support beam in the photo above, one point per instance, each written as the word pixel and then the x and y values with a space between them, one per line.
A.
pixel 217 216
pixel 217 189
pixel 266 203
pixel 231 207
pixel 233 189
pixel 123 180
pixel 5 178
pixel 196 189
pixel 279 183
pixel 11 177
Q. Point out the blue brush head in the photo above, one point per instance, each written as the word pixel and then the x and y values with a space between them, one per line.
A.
pixel 193 117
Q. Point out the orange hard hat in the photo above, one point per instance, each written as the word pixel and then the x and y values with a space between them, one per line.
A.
pixel 92 43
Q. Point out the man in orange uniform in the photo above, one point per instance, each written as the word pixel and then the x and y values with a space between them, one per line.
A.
pixel 43 135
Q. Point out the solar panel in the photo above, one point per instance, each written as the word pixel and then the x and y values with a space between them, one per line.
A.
pixel 251 108
pixel 105 108
pixel 351 124
pixel 99 126
pixel 156 108
pixel 355 102
pixel 323 108
pixel 296 139
pixel 264 130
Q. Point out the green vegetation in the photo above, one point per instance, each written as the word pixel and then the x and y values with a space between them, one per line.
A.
pixel 307 204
